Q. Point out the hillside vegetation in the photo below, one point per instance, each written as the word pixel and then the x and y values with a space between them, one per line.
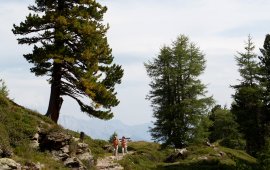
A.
pixel 198 157
pixel 18 126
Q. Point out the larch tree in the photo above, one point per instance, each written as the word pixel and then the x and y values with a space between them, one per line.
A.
pixel 247 105
pixel 70 46
pixel 177 95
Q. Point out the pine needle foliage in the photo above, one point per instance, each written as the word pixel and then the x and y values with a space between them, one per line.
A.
pixel 70 46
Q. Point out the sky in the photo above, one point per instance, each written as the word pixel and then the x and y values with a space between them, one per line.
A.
pixel 138 29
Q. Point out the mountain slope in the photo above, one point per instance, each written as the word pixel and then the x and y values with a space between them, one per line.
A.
pixel 29 140
pixel 59 148
pixel 100 129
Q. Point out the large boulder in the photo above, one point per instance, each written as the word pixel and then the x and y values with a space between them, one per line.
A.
pixel 64 147
pixel 54 140
pixel 7 164
pixel 74 162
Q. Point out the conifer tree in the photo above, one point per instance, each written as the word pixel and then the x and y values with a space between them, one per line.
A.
pixel 70 46
pixel 265 84
pixel 177 95
pixel 247 105
pixel 265 71
pixel 224 128
pixel 248 65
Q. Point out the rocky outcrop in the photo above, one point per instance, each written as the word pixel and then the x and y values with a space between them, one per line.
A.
pixel 54 140
pixel 72 151
pixel 10 164
pixel 74 162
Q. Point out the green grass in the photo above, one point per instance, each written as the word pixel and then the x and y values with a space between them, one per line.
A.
pixel 18 125
pixel 25 154
pixel 151 156
pixel 146 155
pixel 233 159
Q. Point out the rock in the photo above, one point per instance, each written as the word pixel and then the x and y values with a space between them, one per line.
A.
pixel 222 153
pixel 203 158
pixel 75 139
pixel 178 154
pixel 82 145
pixel 63 156
pixel 208 143
pixel 33 166
pixel 34 144
pixel 181 151
pixel 85 156
pixel 108 148
pixel 5 153
pixel 6 164
pixel 57 154
pixel 74 163
pixel 65 149
pixel 54 140
pixel 35 137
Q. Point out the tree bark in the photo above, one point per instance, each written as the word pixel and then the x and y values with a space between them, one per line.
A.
pixel 56 100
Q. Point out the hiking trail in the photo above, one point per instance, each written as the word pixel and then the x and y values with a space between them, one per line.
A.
pixel 110 162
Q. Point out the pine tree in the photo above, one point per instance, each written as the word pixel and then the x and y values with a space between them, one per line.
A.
pixel 70 46
pixel 265 73
pixel 265 84
pixel 177 95
pixel 248 66
pixel 247 105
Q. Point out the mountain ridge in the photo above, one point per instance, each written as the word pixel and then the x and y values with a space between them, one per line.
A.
pixel 100 129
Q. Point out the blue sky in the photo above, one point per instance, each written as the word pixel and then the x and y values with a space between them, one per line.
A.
pixel 137 31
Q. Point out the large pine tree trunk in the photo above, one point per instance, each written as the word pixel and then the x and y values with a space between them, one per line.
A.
pixel 56 100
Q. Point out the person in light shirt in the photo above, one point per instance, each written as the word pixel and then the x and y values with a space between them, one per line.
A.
pixel 115 145
pixel 124 145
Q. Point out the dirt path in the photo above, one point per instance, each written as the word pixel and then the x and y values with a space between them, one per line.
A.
pixel 110 162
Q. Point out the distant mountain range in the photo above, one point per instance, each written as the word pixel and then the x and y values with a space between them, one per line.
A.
pixel 100 129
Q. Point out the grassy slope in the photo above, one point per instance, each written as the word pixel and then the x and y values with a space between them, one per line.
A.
pixel 150 156
pixel 17 127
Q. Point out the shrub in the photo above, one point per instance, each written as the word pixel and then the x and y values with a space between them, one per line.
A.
pixel 3 88
pixel 233 143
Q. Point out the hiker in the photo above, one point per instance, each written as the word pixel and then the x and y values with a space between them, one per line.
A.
pixel 115 145
pixel 124 145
